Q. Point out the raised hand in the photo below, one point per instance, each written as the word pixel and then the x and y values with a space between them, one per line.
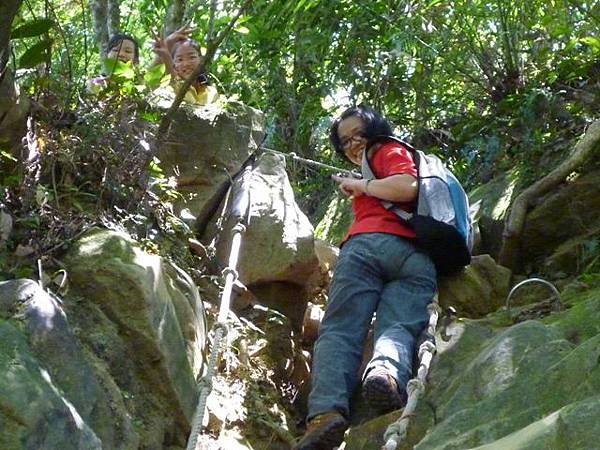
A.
pixel 160 47
pixel 181 34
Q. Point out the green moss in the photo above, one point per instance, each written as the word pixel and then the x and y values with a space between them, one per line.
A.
pixel 582 320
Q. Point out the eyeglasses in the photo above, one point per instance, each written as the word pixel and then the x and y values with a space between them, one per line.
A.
pixel 345 143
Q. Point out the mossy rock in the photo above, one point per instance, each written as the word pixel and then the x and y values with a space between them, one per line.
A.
pixel 478 290
pixel 145 322
pixel 534 385
pixel 34 413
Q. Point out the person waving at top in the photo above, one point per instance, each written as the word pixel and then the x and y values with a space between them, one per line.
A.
pixel 181 57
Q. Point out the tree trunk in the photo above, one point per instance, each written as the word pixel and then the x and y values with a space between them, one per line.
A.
pixel 8 11
pixel 174 16
pixel 509 253
pixel 113 22
pixel 13 108
pixel 100 18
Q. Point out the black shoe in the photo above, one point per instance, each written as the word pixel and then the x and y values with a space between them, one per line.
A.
pixel 382 393
pixel 324 432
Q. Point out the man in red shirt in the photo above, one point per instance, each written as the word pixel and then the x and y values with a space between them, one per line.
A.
pixel 379 272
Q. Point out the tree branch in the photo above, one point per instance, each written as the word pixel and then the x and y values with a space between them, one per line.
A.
pixel 175 16
pixel 211 20
pixel 515 222
pixel 8 10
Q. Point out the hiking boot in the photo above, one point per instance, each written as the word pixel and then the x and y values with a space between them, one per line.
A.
pixel 381 391
pixel 324 432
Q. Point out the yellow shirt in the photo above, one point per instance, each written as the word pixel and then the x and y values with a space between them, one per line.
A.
pixel 202 96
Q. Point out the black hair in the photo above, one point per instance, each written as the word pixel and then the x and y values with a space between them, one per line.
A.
pixel 117 39
pixel 202 77
pixel 376 126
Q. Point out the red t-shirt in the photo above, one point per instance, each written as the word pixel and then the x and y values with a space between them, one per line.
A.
pixel 369 214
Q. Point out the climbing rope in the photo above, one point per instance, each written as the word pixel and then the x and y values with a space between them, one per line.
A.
pixel 397 431
pixel 240 210
pixel 310 162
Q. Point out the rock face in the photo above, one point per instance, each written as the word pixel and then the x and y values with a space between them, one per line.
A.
pixel 562 224
pixel 535 385
pixel 144 321
pixel 480 289
pixel 205 147
pixel 277 259
pixel 113 364
pixel 494 197
pixel 110 366
pixel 52 393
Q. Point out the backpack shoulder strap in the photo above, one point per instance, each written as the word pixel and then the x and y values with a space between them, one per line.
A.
pixel 368 174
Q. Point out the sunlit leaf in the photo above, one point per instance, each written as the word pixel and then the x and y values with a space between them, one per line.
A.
pixel 592 42
pixel 154 76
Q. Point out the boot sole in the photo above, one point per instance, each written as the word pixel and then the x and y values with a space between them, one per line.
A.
pixel 325 439
pixel 380 396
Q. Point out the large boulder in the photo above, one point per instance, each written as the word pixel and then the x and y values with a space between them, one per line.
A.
pixel 478 290
pixel 144 321
pixel 277 261
pixel 205 147
pixel 563 221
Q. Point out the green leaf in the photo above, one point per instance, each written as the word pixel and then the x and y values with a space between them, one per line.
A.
pixel 32 28
pixel 592 42
pixel 37 54
pixel 433 3
pixel 154 76
pixel 242 30
pixel 118 69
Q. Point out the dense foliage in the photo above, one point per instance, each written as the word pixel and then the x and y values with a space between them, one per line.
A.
pixel 491 84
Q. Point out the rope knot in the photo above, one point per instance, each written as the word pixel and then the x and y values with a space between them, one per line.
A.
pixel 205 383
pixel 239 228
pixel 230 271
pixel 395 433
pixel 426 346
pixel 414 385
pixel 434 307
pixel 221 326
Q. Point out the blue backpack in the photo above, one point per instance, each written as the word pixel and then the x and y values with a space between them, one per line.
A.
pixel 441 219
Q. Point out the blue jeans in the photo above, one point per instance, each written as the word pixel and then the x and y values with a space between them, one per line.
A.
pixel 375 273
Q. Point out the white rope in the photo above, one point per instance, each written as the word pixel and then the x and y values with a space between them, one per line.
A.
pixel 397 431
pixel 221 329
